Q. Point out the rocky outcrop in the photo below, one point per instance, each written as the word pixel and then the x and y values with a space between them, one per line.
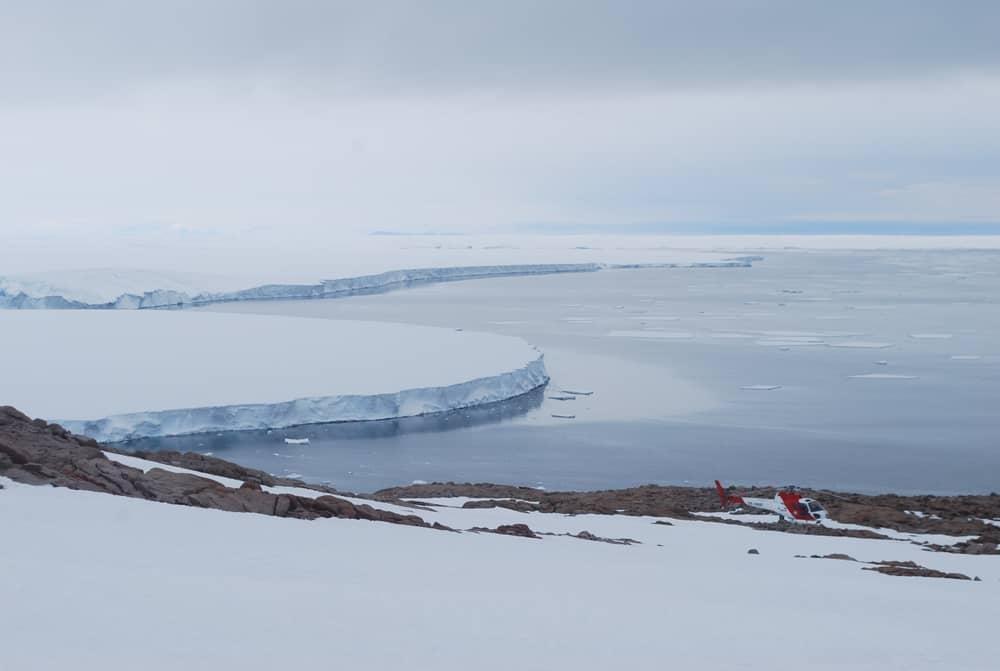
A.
pixel 912 570
pixel 650 500
pixel 522 530
pixel 203 463
pixel 37 453
pixel 948 515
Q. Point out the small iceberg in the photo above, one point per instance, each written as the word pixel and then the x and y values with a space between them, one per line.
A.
pixel 296 441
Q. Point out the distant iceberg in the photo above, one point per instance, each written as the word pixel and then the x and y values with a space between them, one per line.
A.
pixel 94 290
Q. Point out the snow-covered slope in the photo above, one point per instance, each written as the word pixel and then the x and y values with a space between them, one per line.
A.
pixel 114 375
pixel 98 581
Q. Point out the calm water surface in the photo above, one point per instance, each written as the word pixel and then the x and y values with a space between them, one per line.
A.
pixel 745 374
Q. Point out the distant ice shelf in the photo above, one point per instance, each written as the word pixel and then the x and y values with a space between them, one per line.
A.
pixel 128 374
pixel 95 289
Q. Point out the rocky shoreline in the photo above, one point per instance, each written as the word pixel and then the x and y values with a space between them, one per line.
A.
pixel 36 452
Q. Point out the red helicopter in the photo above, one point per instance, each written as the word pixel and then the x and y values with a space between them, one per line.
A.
pixel 787 503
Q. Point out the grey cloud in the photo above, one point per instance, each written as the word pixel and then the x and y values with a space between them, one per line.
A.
pixel 58 49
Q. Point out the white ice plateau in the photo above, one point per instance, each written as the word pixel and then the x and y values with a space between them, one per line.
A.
pixel 112 289
pixel 125 374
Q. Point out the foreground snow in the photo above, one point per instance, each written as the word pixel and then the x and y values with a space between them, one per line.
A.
pixel 148 373
pixel 97 581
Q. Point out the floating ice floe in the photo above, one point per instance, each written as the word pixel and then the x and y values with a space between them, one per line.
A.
pixel 760 387
pixel 578 392
pixel 931 336
pixel 296 441
pixel 881 362
pixel 860 344
pixel 563 398
pixel 785 344
pixel 652 335
pixel 965 357
pixel 655 318
pixel 812 334
pixel 564 416
pixel 882 376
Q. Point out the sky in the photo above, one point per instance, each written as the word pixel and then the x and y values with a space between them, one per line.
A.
pixel 185 119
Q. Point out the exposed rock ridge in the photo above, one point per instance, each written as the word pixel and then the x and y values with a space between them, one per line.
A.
pixel 38 453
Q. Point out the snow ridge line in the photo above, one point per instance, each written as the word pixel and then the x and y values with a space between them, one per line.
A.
pixel 334 288
pixel 315 410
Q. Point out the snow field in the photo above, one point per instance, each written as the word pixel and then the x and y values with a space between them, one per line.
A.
pixel 211 589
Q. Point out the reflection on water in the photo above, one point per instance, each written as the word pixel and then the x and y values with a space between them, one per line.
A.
pixel 340 431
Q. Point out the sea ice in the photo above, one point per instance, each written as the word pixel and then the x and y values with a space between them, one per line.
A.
pixel 860 344
pixel 655 318
pixel 652 335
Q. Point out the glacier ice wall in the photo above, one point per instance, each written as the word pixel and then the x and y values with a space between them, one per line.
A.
pixel 316 410
pixel 335 288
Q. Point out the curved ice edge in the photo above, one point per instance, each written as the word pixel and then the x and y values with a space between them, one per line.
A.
pixel 336 288
pixel 316 410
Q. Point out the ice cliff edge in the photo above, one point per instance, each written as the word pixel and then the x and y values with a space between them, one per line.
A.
pixel 316 410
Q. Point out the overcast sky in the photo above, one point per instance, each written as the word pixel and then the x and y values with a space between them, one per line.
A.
pixel 219 116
